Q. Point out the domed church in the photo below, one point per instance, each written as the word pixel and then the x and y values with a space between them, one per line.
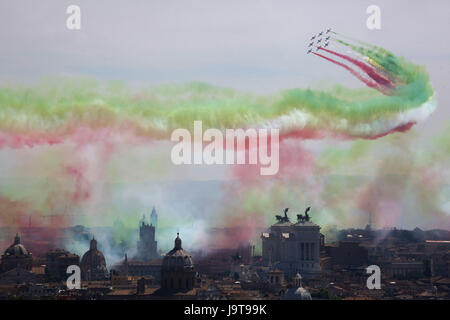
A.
pixel 16 256
pixel 297 292
pixel 177 272
pixel 93 264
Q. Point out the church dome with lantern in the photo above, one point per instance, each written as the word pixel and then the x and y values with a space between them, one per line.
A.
pixel 297 292
pixel 16 255
pixel 177 258
pixel 93 263
pixel 16 249
pixel 177 272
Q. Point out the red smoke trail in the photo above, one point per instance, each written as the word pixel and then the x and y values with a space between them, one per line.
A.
pixel 82 186
pixel 294 160
pixel 18 141
pixel 401 128
pixel 369 83
pixel 371 72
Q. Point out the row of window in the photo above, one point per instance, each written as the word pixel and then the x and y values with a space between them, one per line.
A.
pixel 306 251
pixel 177 284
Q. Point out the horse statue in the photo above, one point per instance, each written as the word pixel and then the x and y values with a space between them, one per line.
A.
pixel 285 218
pixel 306 217
pixel 306 213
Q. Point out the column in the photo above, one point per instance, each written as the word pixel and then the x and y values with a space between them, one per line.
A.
pixel 303 251
pixel 307 250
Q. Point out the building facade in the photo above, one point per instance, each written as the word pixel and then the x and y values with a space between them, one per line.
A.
pixel 348 254
pixel 57 261
pixel 147 245
pixel 405 269
pixel 16 276
pixel 135 268
pixel 292 247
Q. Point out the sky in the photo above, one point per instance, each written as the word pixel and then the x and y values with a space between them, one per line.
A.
pixel 250 45
pixel 256 46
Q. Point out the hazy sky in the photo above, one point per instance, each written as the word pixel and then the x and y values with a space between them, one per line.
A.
pixel 251 45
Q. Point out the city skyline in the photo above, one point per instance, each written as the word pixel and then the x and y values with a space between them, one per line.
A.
pixel 273 150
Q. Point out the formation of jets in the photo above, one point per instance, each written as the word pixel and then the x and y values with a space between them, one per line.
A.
pixel 326 41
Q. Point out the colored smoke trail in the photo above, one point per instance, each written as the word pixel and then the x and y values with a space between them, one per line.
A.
pixel 368 70
pixel 54 112
pixel 350 39
pixel 399 68
pixel 369 83
pixel 94 126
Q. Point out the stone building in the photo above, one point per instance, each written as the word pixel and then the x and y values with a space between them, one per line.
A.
pixel 147 245
pixel 17 275
pixel 154 218
pixel 348 254
pixel 93 264
pixel 16 256
pixel 292 247
pixel 177 272
pixel 56 263
pixel 404 269
pixel 135 268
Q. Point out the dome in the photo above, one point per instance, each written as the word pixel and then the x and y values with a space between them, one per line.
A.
pixel 177 258
pixel 16 256
pixel 93 260
pixel 16 249
pixel 302 294
pixel 299 293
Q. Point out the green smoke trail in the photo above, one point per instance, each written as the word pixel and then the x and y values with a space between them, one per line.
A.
pixel 409 73
pixel 56 108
